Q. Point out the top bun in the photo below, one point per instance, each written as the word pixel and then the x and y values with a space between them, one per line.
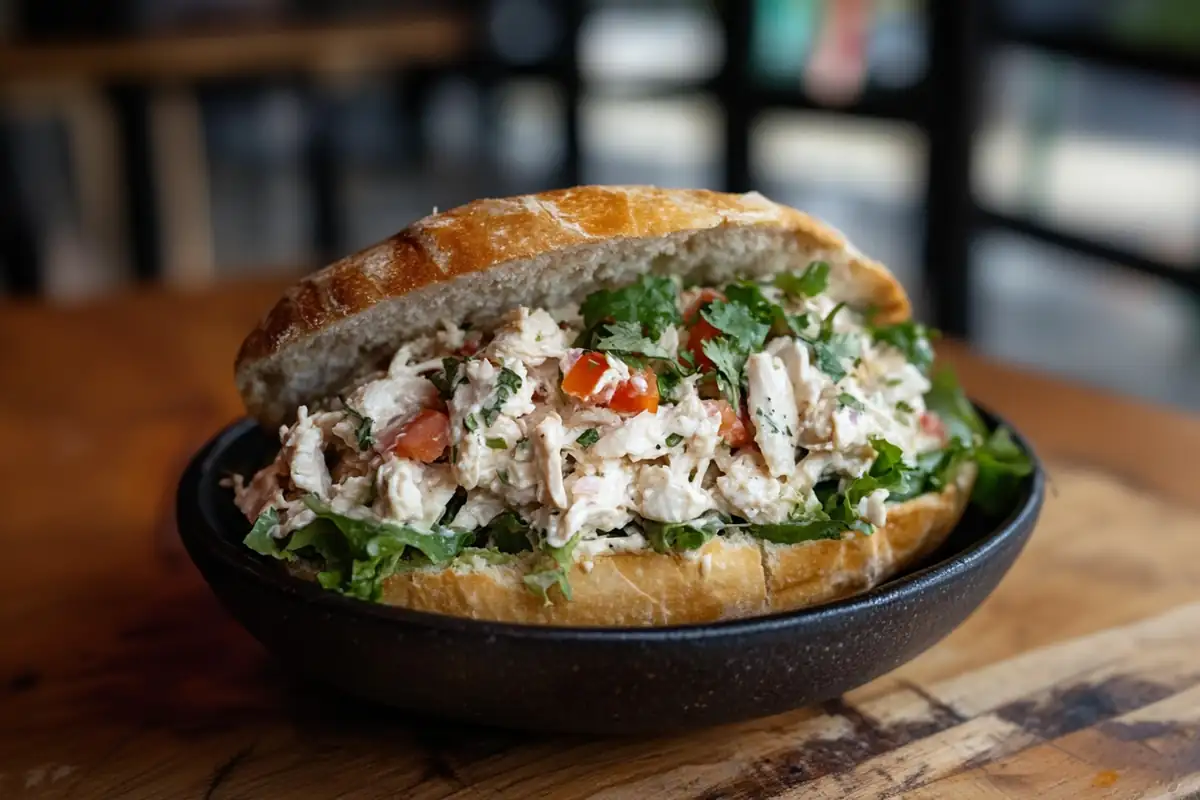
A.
pixel 473 263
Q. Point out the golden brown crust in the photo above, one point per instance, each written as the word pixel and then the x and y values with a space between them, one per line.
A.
pixel 740 577
pixel 621 590
pixel 550 231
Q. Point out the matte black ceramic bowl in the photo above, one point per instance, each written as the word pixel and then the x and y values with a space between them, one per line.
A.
pixel 594 680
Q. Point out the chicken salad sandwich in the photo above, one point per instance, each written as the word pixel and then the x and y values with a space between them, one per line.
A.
pixel 617 406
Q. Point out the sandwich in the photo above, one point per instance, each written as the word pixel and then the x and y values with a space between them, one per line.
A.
pixel 608 406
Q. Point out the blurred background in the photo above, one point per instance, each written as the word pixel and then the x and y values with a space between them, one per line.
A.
pixel 1029 168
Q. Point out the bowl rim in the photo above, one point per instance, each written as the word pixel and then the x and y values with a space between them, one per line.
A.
pixel 200 529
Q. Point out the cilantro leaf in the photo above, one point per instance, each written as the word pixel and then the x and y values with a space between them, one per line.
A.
pixel 668 382
pixel 743 333
pixel 830 349
pixel 363 426
pixel 810 283
pixel 728 361
pixel 652 303
pixel 674 439
pixel 449 377
pixel 626 337
pixel 588 438
pixel 849 400
pixel 796 324
pixel 666 537
pixel 509 380
pixel 507 383
pixel 750 296
pixel 829 355
pixel 889 471
pixel 738 322
pixel 911 339
pixel 260 540
pixel 827 324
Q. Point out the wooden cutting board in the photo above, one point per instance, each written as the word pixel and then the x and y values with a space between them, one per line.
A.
pixel 120 676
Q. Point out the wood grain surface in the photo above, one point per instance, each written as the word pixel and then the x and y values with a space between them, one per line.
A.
pixel 121 677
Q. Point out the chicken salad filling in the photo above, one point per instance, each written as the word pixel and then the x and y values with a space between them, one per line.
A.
pixel 650 416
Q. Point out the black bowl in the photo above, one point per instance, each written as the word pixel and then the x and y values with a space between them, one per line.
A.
pixel 592 680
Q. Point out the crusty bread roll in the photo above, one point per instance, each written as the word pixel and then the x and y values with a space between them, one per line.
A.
pixel 474 263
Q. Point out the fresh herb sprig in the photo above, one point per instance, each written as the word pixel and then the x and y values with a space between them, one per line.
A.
pixel 363 426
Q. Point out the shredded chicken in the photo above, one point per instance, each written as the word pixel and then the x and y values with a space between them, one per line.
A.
pixel 578 471
pixel 548 443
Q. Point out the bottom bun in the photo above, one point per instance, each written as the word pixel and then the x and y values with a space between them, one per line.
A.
pixel 729 577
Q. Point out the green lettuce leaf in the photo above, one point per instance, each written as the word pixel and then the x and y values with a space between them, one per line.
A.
pixel 808 528
pixel 1001 462
pixel 360 554
pixel 555 573
pixel 260 540
pixel 947 399
pixel 666 537
pixel 1002 466
pixel 487 554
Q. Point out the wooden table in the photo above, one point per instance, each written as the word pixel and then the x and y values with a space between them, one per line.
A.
pixel 121 677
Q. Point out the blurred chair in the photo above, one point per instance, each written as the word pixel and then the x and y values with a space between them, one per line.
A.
pixel 129 100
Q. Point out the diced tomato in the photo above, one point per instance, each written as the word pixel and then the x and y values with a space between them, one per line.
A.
pixel 734 428
pixel 423 438
pixel 699 329
pixel 639 393
pixel 584 376
pixel 698 334
pixel 932 425
pixel 705 297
